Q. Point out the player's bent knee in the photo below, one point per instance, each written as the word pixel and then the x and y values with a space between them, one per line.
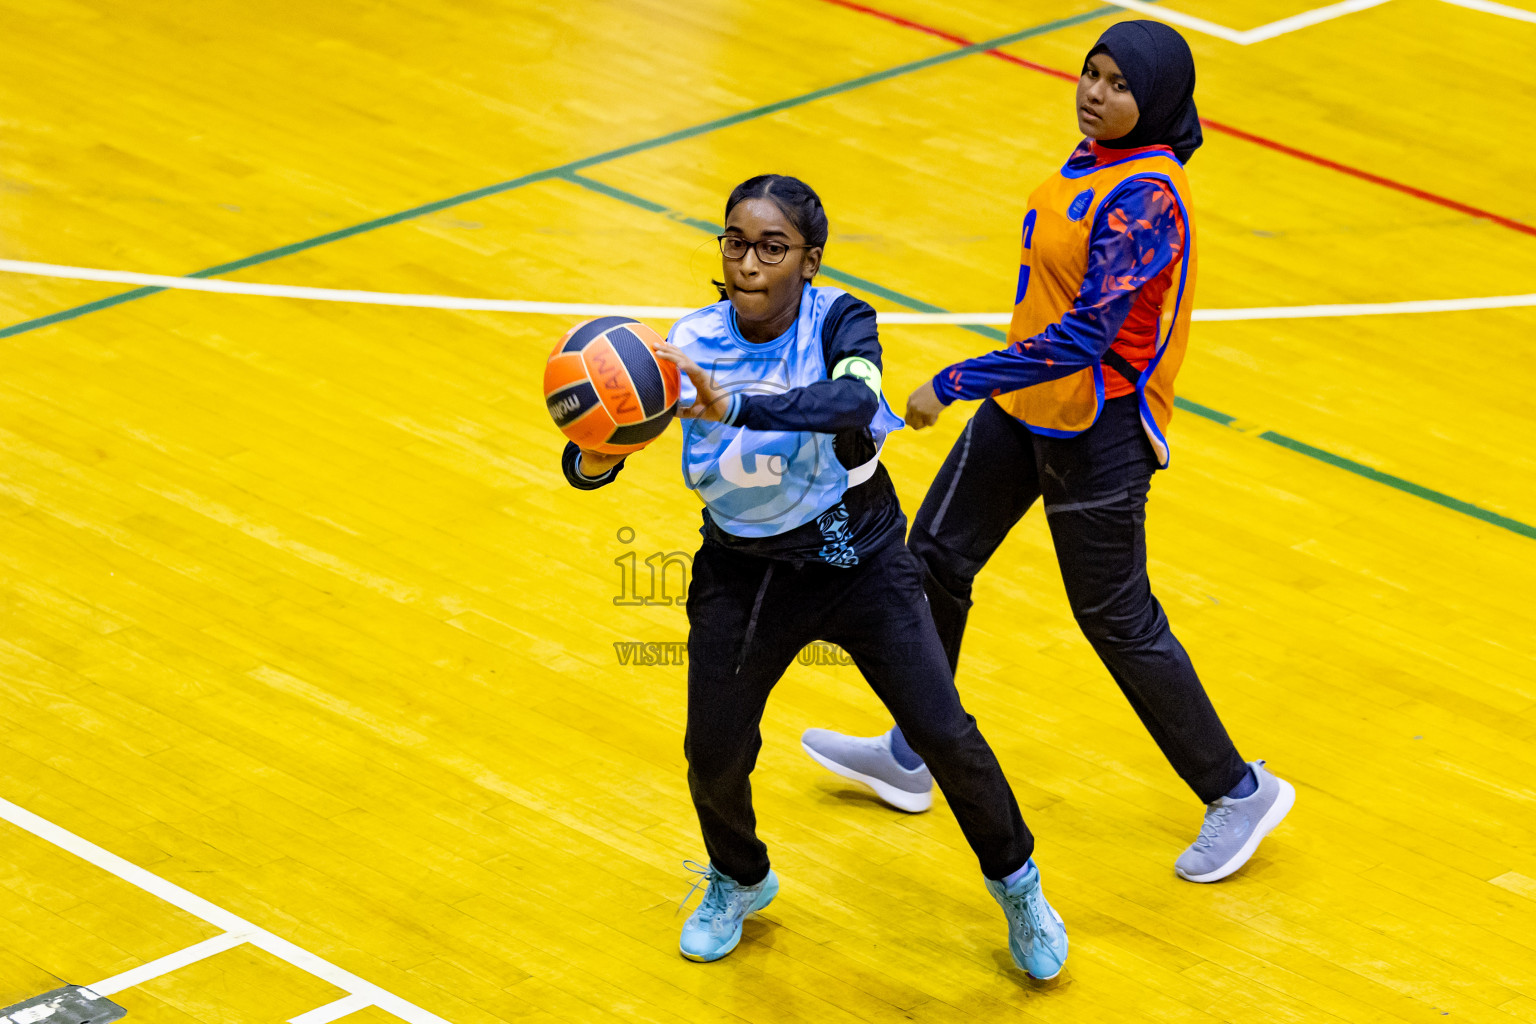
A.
pixel 1127 627
pixel 949 569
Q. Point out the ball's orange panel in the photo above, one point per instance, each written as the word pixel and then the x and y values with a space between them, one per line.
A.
pixel 646 333
pixel 612 382
pixel 563 371
pixel 567 337
pixel 592 430
pixel 671 377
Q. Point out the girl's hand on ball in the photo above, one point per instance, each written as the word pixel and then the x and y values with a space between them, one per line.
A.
pixel 595 464
pixel 923 407
pixel 709 403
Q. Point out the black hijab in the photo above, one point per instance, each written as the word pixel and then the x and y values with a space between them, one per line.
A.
pixel 1160 70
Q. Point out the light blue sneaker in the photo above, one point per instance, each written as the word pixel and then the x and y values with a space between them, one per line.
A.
pixel 1036 936
pixel 714 929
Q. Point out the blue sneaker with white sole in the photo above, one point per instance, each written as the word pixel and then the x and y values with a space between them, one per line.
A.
pixel 1036 936
pixel 714 929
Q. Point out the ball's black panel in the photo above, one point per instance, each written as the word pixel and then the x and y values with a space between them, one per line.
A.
pixel 590 331
pixel 640 361
pixel 571 402
pixel 639 433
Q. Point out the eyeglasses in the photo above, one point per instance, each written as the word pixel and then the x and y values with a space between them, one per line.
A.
pixel 769 250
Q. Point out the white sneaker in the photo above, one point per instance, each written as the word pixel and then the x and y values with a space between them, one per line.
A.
pixel 1234 827
pixel 868 760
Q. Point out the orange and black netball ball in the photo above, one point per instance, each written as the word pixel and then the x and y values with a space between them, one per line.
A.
pixel 605 388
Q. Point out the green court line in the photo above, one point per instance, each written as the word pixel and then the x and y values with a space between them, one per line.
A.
pixel 575 165
pixel 1397 482
pixel 1214 415
pixel 74 311
pixel 568 172
pixel 840 276
pixel 1204 411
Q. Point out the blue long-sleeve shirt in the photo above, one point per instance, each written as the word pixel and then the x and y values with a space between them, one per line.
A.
pixel 1132 243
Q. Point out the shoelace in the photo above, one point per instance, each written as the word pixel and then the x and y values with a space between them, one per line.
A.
pixel 720 893
pixel 1022 910
pixel 1210 828
pixel 706 877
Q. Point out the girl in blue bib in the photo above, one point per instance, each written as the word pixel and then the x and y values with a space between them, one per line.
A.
pixel 803 540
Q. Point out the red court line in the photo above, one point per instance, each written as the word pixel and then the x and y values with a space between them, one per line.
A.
pixel 1220 127
pixel 1374 179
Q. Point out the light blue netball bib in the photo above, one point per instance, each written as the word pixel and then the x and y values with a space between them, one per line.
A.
pixel 760 483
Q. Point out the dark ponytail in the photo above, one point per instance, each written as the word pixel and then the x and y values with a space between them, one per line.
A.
pixel 794 198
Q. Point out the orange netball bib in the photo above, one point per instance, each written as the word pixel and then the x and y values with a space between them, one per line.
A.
pixel 1052 265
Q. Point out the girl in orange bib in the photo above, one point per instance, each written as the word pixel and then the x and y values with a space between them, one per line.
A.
pixel 1076 412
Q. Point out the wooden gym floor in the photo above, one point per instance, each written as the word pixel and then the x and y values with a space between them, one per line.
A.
pixel 301 620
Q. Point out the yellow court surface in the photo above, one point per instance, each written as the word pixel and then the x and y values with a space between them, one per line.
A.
pixel 320 682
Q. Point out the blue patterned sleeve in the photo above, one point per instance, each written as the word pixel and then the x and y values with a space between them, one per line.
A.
pixel 1135 237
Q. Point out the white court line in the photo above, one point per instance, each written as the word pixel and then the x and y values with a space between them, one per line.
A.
pixel 215 915
pixel 1306 18
pixel 1367 308
pixel 673 312
pixel 168 963
pixel 1252 35
pixel 1189 21
pixel 1260 312
pixel 1502 10
pixel 332 1011
pixel 210 284
pixel 1302 20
